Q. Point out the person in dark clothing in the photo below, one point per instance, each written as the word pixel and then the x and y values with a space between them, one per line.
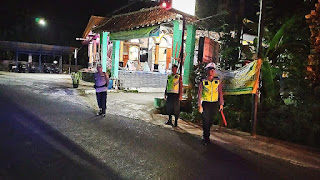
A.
pixel 172 95
pixel 101 85
pixel 210 96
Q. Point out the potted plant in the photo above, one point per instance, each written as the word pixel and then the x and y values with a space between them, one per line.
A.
pixel 76 76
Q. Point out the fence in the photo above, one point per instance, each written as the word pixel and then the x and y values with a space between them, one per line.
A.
pixel 139 79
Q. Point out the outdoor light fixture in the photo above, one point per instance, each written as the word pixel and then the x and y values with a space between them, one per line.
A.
pixel 80 39
pixel 185 6
pixel 41 21
pixel 164 5
pixel 134 40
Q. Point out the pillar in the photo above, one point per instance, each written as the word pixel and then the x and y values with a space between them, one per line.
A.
pixel 94 51
pixel 30 58
pixel 115 59
pixel 104 38
pixel 190 45
pixel 150 54
pixel 76 58
pixel 17 59
pixel 177 39
pixel 40 64
pixel 121 53
pixel 90 49
pixel 60 64
pixel 168 60
pixel 156 57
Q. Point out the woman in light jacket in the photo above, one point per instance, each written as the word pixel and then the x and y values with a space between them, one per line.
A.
pixel 101 85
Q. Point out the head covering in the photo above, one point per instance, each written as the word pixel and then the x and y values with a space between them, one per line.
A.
pixel 99 65
pixel 210 66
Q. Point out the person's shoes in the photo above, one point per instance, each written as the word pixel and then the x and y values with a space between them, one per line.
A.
pixel 99 112
pixel 169 123
pixel 205 142
pixel 104 115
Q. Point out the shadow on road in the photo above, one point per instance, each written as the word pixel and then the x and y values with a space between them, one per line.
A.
pixel 31 149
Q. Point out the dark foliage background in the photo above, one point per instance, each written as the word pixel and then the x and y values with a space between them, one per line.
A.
pixel 289 106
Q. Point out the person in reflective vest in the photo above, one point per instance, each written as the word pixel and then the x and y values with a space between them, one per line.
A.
pixel 172 96
pixel 210 96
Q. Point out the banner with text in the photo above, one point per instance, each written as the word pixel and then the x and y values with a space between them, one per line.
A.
pixel 242 81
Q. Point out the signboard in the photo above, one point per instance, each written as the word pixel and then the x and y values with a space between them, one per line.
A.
pixel 242 81
pixel 185 6
pixel 208 50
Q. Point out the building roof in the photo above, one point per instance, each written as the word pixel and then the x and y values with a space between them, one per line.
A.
pixel 134 6
pixel 35 48
pixel 142 18
pixel 93 21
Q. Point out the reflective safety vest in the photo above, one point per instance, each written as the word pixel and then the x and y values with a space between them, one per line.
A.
pixel 173 84
pixel 210 90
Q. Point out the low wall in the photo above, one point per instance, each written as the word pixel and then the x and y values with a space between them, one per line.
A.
pixel 136 80
pixel 88 76
pixel 67 67
pixel 139 79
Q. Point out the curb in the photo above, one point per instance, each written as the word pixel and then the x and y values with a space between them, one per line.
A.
pixel 296 154
pixel 300 155
pixel 93 91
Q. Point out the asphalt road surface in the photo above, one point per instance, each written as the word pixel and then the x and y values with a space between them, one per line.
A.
pixel 47 134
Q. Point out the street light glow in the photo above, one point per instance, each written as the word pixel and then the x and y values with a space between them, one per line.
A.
pixel 186 6
pixel 164 5
pixel 42 22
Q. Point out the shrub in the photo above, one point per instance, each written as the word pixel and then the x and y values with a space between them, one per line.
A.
pixel 76 77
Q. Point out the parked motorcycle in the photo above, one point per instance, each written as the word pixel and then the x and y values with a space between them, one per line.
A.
pixel 33 68
pixel 12 67
pixel 22 67
pixel 46 68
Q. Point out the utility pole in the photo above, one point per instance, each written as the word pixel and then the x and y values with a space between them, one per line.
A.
pixel 260 30
pixel 255 96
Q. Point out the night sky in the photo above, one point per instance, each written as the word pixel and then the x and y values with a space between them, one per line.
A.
pixel 66 19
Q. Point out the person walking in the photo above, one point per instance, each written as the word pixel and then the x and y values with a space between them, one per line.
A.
pixel 210 96
pixel 172 96
pixel 101 85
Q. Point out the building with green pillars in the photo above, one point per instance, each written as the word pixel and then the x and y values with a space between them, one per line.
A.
pixel 140 47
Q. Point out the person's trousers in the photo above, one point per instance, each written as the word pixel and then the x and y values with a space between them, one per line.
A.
pixel 173 105
pixel 102 101
pixel 209 111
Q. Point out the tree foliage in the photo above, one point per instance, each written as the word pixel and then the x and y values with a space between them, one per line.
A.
pixel 286 109
pixel 289 103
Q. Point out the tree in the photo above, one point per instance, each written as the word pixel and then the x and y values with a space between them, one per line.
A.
pixel 314 57
pixel 289 104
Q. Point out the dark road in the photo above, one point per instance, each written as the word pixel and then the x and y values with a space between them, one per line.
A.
pixel 60 138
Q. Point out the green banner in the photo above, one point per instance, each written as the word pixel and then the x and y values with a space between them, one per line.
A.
pixel 242 81
pixel 136 34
